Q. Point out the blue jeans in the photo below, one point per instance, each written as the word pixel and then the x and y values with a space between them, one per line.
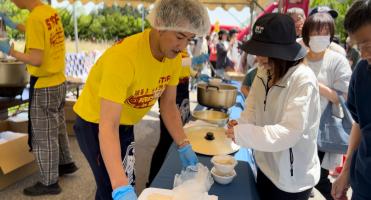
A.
pixel 87 137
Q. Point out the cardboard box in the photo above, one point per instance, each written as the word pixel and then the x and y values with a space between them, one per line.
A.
pixel 69 128
pixel 16 162
pixel 19 122
pixel 69 114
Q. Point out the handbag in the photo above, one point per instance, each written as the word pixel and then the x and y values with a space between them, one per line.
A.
pixel 333 135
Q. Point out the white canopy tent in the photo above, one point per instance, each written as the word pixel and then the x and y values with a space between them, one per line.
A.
pixel 211 4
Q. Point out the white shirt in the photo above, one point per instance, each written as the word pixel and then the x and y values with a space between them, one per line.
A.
pixel 333 71
pixel 286 118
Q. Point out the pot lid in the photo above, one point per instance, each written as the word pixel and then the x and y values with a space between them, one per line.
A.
pixel 203 143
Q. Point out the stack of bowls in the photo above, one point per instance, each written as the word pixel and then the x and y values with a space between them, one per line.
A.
pixel 223 171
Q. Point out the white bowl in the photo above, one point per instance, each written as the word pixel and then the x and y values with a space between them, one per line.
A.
pixel 223 178
pixel 224 164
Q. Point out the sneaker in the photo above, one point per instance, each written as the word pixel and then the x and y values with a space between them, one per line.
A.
pixel 41 189
pixel 67 169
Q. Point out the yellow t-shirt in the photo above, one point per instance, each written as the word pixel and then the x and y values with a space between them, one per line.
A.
pixel 127 74
pixel 186 70
pixel 44 31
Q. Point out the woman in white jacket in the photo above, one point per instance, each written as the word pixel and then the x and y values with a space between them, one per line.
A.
pixel 281 119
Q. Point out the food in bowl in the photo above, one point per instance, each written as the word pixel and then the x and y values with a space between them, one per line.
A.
pixel 224 164
pixel 223 178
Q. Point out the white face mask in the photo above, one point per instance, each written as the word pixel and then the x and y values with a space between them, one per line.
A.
pixel 319 44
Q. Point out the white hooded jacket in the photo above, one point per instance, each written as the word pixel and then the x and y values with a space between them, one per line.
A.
pixel 281 125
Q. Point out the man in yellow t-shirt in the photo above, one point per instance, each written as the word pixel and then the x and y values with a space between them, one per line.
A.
pixel 44 55
pixel 182 102
pixel 122 87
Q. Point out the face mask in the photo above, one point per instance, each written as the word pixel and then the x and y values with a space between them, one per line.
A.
pixel 319 43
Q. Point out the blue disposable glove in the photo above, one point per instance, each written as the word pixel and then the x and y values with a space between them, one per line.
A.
pixel 8 21
pixel 124 193
pixel 197 60
pixel 187 156
pixel 4 46
pixel 204 78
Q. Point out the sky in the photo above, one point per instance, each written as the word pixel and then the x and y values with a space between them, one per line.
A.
pixel 230 17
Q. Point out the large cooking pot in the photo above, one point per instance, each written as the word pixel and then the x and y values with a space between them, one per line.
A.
pixel 13 78
pixel 219 96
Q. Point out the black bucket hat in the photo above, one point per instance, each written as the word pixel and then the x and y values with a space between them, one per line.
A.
pixel 324 9
pixel 274 36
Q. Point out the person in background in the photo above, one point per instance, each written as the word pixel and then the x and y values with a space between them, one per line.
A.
pixel 298 15
pixel 250 75
pixel 353 54
pixel 234 54
pixel 45 59
pixel 333 73
pixel 213 53
pixel 282 112
pixel 125 83
pixel 248 80
pixel 334 46
pixel 356 171
pixel 223 63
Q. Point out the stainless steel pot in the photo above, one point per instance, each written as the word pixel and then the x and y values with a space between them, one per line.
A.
pixel 220 96
pixel 13 78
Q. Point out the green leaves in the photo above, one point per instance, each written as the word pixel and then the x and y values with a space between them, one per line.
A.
pixel 101 25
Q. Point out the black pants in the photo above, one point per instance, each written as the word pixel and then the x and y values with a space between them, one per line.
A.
pixel 33 80
pixel 213 63
pixel 87 137
pixel 324 185
pixel 182 101
pixel 268 191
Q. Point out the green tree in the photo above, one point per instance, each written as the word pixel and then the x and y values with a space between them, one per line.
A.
pixel 17 15
pixel 341 6
pixel 107 23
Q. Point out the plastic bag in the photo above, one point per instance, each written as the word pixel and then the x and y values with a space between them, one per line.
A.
pixel 193 184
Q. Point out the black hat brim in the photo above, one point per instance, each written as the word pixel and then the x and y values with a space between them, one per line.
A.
pixel 333 13
pixel 290 52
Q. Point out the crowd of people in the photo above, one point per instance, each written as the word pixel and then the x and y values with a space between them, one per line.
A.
pixel 294 69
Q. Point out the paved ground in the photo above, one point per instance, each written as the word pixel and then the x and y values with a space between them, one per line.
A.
pixel 81 186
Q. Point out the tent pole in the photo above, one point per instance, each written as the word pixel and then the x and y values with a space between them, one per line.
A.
pixel 76 33
pixel 257 4
pixel 142 18
pixel 252 7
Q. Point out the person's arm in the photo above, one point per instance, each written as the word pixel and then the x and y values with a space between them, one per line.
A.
pixel 11 24
pixel 341 184
pixel 21 28
pixel 284 134
pixel 329 93
pixel 341 73
pixel 33 57
pixel 171 116
pixel 109 142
